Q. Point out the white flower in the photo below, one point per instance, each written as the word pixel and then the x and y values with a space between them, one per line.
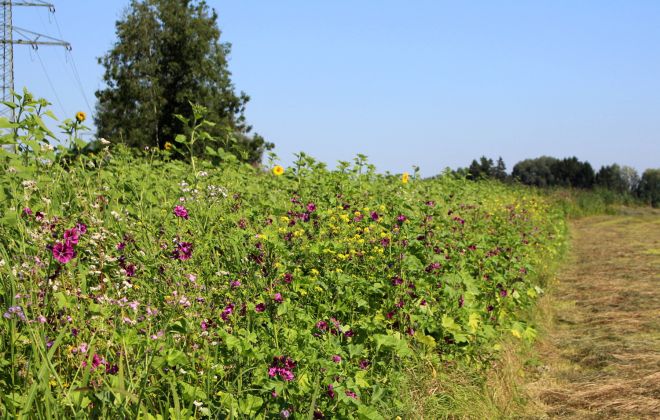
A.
pixel 104 141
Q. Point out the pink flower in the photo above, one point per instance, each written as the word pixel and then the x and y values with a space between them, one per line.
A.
pixel 278 298
pixel 336 358
pixel 180 211
pixel 260 307
pixel 63 252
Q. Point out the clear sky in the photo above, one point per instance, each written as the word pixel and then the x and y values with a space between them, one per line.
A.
pixel 428 83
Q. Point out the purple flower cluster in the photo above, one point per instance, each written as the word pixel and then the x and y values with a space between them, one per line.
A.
pixel 183 251
pixel 282 367
pixel 180 211
pixel 64 251
pixel 15 311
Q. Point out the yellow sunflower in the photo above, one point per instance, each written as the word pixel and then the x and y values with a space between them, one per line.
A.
pixel 80 116
pixel 278 170
pixel 405 177
pixel 167 145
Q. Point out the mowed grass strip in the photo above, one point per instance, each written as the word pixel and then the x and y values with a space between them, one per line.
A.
pixel 600 356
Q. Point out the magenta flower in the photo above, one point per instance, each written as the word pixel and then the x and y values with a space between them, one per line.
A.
pixel 311 207
pixel 351 394
pixel 63 252
pixel 336 358
pixel 82 228
pixel 374 216
pixel 180 211
pixel 288 278
pixel 278 298
pixel 396 281
pixel 283 367
pixel 71 236
pixel 260 307
pixel 235 284
pixel 27 211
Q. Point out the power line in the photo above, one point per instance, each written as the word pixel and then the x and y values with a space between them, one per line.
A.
pixel 25 37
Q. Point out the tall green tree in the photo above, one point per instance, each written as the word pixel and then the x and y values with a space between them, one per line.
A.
pixel 168 54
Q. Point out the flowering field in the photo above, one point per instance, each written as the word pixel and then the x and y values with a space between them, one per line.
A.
pixel 135 286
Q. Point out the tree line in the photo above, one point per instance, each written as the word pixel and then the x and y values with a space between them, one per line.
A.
pixel 546 171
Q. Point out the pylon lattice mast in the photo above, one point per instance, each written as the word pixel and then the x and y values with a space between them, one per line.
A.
pixel 23 37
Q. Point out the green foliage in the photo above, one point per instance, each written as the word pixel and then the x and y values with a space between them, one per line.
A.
pixel 132 285
pixel 168 55
pixel 649 187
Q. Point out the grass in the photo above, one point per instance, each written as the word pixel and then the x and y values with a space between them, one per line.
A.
pixel 602 348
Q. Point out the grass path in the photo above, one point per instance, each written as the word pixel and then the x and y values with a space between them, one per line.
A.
pixel 600 357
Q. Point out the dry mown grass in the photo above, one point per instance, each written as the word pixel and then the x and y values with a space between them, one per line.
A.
pixel 600 357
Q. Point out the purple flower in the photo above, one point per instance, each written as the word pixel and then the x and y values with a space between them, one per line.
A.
pixel 226 313
pixel 121 246
pixel 364 364
pixel 374 216
pixel 331 391
pixel 311 207
pixel 180 211
pixel 27 211
pixel 336 358
pixel 260 307
pixel 288 278
pixel 130 270
pixel 63 252
pixel 285 413
pixel 183 251
pixel 401 218
pixel 351 394
pixel 396 281
pixel 503 293
pixel 278 298
pixel 82 228
pixel 235 284
pixel 460 301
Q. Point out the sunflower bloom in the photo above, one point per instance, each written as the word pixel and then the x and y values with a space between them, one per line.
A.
pixel 167 146
pixel 80 116
pixel 405 177
pixel 278 170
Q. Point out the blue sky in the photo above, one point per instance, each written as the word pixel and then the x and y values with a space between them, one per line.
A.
pixel 427 83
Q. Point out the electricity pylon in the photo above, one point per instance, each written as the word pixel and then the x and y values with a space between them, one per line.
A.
pixel 23 37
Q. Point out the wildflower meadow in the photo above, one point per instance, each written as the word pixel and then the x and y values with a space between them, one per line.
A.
pixel 136 285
